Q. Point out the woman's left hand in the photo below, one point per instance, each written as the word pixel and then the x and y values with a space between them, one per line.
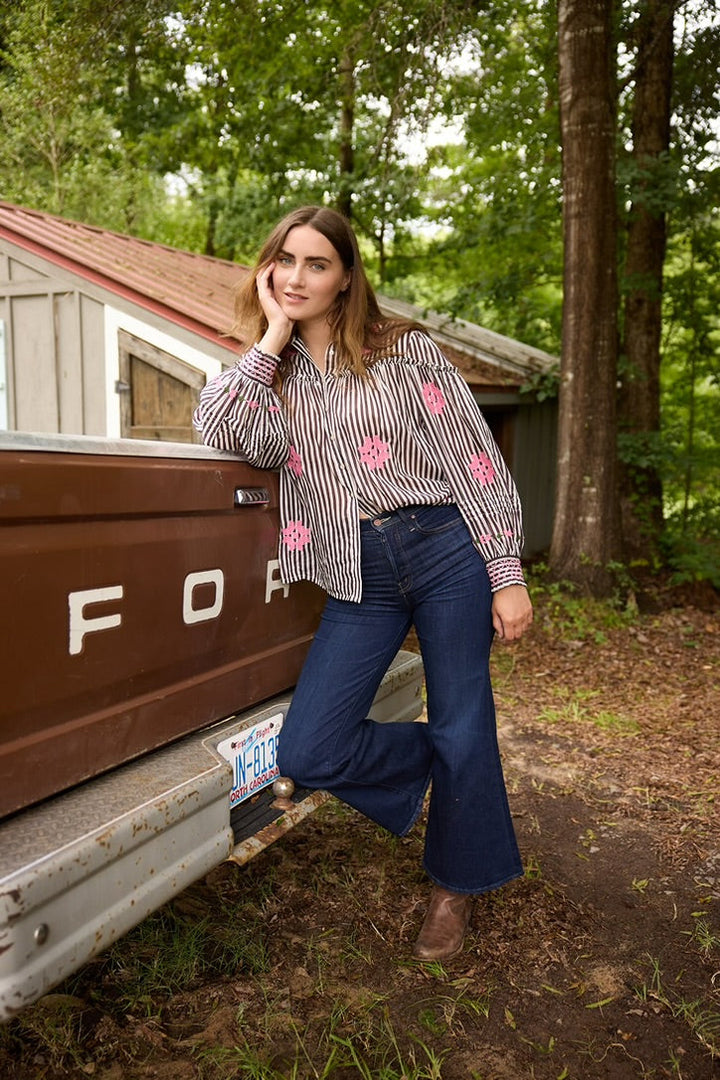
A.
pixel 512 612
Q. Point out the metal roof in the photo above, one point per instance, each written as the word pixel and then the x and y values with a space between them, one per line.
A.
pixel 193 290
pixel 196 291
pixel 482 355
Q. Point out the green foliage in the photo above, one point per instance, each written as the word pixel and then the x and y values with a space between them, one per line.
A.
pixel 692 557
pixel 573 616
pixel 498 193
pixel 691 396
pixel 49 114
pixel 643 450
pixel 652 184
pixel 703 937
pixel 690 374
pixel 84 96
pixel 312 100
pixel 542 385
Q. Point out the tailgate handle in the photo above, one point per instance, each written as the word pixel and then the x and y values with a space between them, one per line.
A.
pixel 252 497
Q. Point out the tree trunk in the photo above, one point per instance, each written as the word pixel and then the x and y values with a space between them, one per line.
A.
pixel 586 531
pixel 347 133
pixel 639 399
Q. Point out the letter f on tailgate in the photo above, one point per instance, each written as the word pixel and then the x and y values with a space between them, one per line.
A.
pixel 80 625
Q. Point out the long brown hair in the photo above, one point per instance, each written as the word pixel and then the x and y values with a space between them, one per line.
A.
pixel 358 328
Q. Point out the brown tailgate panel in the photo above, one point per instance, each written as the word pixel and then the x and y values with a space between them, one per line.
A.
pixel 138 603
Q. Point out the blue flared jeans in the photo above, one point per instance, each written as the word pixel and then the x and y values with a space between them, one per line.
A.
pixel 419 566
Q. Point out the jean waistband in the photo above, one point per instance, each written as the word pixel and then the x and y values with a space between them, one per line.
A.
pixel 407 514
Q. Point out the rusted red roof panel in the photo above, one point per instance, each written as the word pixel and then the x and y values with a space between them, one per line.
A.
pixel 190 289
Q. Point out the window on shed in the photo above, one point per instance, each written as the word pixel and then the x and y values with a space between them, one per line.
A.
pixel 158 392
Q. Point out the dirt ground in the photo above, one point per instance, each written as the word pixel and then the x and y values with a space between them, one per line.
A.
pixel 602 962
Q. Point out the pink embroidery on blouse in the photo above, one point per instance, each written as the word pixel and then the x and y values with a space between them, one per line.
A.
pixel 295 535
pixel 273 408
pixel 374 452
pixel 232 392
pixel 434 398
pixel 482 469
pixel 252 404
pixel 294 462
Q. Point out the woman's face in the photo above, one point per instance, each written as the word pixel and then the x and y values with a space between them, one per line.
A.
pixel 308 275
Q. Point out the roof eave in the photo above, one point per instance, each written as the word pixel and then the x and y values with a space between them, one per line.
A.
pixel 505 354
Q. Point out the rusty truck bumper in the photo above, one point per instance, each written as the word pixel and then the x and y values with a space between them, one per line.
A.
pixel 78 871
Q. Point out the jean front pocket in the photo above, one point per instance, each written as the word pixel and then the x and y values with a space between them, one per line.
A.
pixel 430 520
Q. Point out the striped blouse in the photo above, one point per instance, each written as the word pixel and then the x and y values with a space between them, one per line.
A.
pixel 409 434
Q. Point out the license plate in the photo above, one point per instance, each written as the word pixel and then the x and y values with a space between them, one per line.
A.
pixel 252 752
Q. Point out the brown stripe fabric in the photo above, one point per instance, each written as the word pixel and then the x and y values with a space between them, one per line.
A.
pixel 409 434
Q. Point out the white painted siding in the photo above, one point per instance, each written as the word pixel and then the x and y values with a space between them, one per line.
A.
pixel 3 379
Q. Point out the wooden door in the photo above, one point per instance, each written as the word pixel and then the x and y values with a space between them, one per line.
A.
pixel 158 393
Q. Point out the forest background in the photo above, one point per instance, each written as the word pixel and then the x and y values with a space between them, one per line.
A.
pixel 548 170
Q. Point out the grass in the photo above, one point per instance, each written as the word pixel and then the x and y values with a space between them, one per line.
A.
pixel 575 712
pixel 335 1027
pixel 170 951
pixel 571 616
pixel 365 1046
pixel 704 938
pixel 54 1028
pixel 701 1018
pixel 445 1013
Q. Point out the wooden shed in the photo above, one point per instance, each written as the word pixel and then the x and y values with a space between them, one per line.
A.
pixel 106 334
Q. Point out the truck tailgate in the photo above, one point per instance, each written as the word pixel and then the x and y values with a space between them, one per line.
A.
pixel 140 602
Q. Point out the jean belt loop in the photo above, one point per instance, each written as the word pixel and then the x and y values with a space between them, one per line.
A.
pixel 407 515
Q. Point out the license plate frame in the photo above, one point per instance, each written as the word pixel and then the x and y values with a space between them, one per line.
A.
pixel 252 753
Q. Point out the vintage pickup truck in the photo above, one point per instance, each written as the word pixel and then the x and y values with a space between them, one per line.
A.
pixel 149 650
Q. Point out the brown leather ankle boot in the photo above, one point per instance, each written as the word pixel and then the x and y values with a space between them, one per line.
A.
pixel 443 930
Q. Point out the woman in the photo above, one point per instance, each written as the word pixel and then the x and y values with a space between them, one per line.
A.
pixel 396 501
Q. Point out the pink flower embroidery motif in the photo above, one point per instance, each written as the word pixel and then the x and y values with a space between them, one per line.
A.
pixel 232 392
pixel 252 404
pixel 434 398
pixel 273 408
pixel 295 535
pixel 374 452
pixel 294 462
pixel 482 469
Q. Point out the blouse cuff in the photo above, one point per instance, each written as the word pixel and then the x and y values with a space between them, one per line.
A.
pixel 258 365
pixel 504 572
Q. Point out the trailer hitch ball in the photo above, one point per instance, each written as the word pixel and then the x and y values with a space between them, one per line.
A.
pixel 283 787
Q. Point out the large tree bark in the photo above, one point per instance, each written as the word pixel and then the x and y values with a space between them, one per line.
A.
pixel 586 530
pixel 639 399
pixel 346 73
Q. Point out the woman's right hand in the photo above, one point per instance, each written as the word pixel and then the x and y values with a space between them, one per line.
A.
pixel 280 327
